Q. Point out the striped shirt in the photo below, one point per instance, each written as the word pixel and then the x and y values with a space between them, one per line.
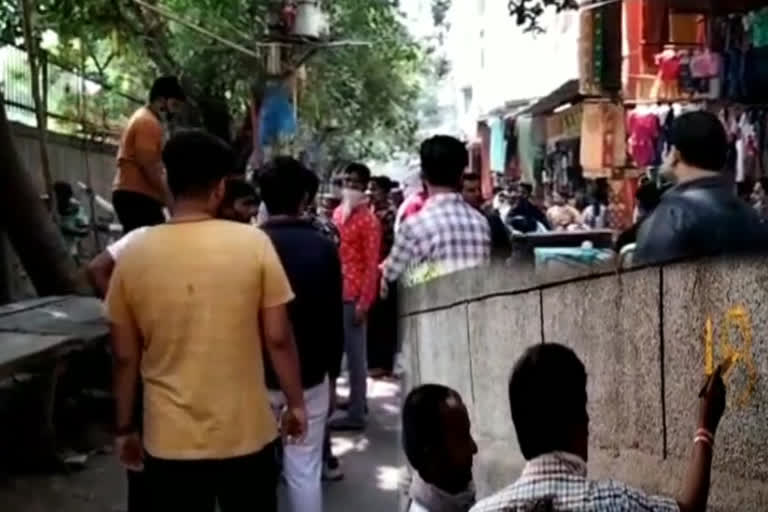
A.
pixel 558 481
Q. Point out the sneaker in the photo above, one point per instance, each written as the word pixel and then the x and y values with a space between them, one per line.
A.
pixel 332 470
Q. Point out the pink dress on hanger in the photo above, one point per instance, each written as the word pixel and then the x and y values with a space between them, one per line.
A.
pixel 644 130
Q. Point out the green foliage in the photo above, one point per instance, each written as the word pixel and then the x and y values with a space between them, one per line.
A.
pixel 367 93
pixel 528 12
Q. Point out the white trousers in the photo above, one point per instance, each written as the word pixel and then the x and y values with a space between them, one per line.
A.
pixel 303 462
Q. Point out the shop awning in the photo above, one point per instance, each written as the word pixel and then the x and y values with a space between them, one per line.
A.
pixel 510 109
pixel 566 93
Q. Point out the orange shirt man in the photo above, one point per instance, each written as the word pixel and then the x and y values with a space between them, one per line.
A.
pixel 140 189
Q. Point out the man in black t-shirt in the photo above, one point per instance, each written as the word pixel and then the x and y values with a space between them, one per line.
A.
pixel 311 262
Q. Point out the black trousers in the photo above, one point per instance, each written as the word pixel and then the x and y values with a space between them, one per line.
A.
pixel 136 210
pixel 246 483
pixel 382 332
pixel 138 494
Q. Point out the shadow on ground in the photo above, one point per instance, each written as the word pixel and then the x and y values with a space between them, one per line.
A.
pixel 370 463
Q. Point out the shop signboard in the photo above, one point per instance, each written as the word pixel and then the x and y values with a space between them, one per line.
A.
pixel 565 124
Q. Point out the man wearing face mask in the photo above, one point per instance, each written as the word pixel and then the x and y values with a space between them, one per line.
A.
pixel 701 215
pixel 140 187
pixel 360 249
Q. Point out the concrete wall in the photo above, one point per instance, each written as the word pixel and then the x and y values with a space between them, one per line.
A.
pixel 70 159
pixel 644 336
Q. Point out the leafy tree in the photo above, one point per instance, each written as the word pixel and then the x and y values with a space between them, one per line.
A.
pixel 528 12
pixel 365 93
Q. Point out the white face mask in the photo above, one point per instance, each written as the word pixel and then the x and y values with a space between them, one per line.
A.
pixel 352 196
pixel 351 199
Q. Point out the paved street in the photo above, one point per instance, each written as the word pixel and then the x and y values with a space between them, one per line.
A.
pixel 369 462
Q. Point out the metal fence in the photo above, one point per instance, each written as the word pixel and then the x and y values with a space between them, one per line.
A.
pixel 74 104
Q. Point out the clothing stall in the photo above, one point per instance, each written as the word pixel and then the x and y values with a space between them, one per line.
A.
pixel 702 55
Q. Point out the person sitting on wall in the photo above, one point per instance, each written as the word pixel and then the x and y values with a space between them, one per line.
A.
pixel 548 398
pixel 701 215
pixel 439 446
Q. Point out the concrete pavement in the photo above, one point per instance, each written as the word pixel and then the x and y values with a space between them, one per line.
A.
pixel 369 461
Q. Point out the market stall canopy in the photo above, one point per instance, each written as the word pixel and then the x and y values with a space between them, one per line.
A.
pixel 566 93
pixel 509 110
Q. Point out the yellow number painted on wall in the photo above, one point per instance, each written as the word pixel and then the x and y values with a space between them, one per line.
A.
pixel 740 356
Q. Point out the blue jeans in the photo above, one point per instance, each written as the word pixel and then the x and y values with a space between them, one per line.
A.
pixel 355 347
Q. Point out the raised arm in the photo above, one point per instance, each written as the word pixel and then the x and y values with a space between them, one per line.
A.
pixel 697 478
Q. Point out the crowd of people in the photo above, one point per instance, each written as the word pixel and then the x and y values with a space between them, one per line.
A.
pixel 210 315
pixel 229 340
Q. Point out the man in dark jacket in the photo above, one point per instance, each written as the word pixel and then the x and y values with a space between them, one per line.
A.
pixel 701 215
pixel 313 268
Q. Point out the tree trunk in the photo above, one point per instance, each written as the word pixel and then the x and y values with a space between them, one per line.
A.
pixel 41 107
pixel 31 231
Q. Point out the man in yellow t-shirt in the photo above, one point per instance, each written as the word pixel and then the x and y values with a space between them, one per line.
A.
pixel 140 191
pixel 191 305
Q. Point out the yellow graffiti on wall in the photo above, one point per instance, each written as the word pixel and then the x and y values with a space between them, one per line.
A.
pixel 733 356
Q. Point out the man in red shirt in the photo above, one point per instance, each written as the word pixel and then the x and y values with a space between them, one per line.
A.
pixel 360 232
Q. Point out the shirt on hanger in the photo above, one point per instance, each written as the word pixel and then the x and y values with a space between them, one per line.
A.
pixel 644 129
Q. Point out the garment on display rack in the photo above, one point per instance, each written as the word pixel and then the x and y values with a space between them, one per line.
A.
pixel 526 148
pixel 649 129
pixel 748 132
pixel 498 145
pixel 644 129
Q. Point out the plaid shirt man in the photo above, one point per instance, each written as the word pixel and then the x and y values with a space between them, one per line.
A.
pixel 447 235
pixel 558 481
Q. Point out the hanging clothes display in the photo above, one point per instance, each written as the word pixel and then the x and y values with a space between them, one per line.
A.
pixel 484 135
pixel 513 162
pixel 644 129
pixel 603 139
pixel 526 148
pixel 498 145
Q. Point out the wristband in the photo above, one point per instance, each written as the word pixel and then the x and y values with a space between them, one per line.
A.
pixel 705 440
pixel 706 433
